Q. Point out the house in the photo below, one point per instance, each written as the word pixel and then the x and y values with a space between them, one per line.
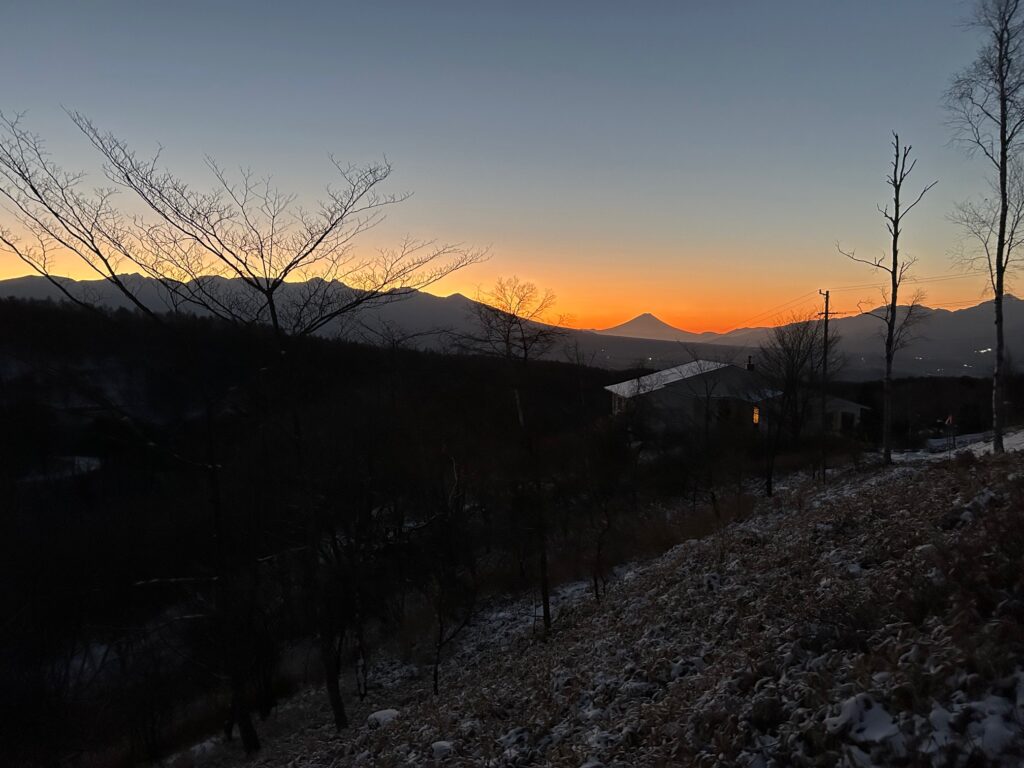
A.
pixel 841 416
pixel 695 395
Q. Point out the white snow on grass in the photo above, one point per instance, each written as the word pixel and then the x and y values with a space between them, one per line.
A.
pixel 833 626
pixel 1012 441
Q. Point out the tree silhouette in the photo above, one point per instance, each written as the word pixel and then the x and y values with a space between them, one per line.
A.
pixel 986 107
pixel 242 251
pixel 514 324
pixel 248 254
pixel 897 325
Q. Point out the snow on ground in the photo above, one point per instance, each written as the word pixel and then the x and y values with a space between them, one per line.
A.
pixel 1012 442
pixel 876 621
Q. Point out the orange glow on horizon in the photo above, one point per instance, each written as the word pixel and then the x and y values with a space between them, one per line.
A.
pixel 716 306
pixel 603 294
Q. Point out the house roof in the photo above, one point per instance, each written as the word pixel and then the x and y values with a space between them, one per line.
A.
pixel 841 404
pixel 652 382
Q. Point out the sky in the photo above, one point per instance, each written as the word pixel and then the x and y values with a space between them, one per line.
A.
pixel 696 160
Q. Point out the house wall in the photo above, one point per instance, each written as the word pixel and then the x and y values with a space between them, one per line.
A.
pixel 695 403
pixel 836 419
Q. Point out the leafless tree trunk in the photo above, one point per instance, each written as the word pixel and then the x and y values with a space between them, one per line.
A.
pixel 790 361
pixel 896 328
pixel 980 222
pixel 513 324
pixel 986 105
pixel 330 657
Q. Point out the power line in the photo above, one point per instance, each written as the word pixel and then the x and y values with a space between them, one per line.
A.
pixel 775 309
pixel 945 305
pixel 914 280
pixel 824 385
pixel 805 297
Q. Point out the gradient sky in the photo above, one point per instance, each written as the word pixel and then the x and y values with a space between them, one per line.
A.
pixel 698 160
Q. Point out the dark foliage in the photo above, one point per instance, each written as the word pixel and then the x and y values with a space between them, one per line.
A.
pixel 185 505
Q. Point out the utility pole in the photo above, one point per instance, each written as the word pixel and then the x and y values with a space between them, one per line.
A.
pixel 824 380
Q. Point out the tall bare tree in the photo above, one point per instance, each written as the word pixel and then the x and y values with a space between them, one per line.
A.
pixel 897 324
pixel 986 107
pixel 514 323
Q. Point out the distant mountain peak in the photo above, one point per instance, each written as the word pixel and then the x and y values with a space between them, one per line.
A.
pixel 648 326
pixel 948 342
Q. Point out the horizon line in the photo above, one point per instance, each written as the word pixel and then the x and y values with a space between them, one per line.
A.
pixel 946 306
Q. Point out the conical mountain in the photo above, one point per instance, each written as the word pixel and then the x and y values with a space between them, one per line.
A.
pixel 647 326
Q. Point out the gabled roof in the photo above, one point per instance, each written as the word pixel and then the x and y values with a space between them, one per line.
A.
pixel 839 403
pixel 652 382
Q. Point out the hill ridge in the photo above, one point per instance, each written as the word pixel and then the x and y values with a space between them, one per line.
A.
pixel 948 343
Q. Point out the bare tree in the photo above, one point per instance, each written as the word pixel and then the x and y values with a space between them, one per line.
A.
pixel 897 324
pixel 514 323
pixel 243 251
pixel 790 362
pixel 986 107
pixel 701 384
pixel 979 220
pixel 514 320
pixel 710 410
pixel 450 579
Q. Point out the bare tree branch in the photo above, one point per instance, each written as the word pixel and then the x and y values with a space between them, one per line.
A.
pixel 897 327
pixel 244 251
pixel 986 106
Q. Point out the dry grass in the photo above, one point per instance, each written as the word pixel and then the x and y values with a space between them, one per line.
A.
pixel 785 610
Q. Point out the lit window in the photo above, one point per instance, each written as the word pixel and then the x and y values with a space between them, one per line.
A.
pixel 757 415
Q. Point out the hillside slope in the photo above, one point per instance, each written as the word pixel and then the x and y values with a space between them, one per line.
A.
pixel 945 343
pixel 877 621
